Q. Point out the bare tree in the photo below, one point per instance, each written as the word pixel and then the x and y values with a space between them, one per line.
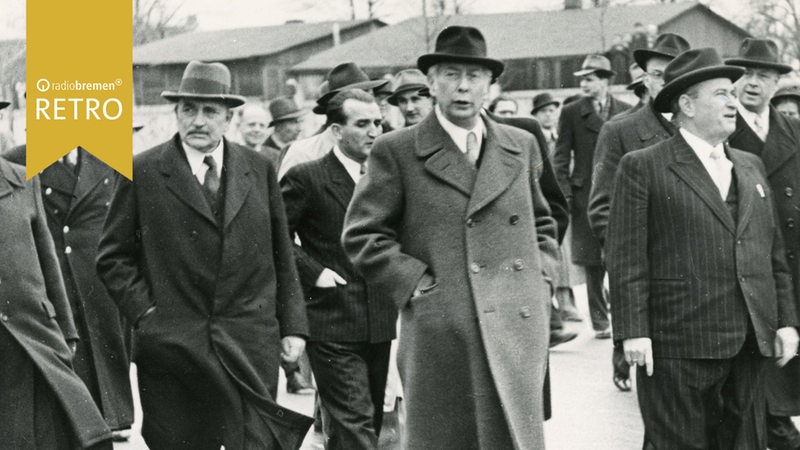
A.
pixel 778 20
pixel 156 19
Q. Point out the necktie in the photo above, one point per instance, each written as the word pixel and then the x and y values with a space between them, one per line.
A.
pixel 722 169
pixel 600 112
pixel 473 151
pixel 211 181
pixel 759 128
pixel 363 168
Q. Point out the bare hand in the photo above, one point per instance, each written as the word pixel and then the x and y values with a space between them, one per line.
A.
pixel 329 279
pixel 291 348
pixel 786 345
pixel 639 351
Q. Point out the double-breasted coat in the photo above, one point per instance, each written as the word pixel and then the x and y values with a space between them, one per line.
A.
pixel 76 206
pixel 781 157
pixel 473 348
pixel 225 293
pixel 578 128
pixel 34 307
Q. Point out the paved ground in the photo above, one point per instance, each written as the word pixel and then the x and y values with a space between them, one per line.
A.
pixel 589 412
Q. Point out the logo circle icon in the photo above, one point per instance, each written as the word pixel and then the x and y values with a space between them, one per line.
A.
pixel 43 85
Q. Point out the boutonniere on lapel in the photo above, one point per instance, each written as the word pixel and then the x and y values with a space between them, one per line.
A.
pixel 760 190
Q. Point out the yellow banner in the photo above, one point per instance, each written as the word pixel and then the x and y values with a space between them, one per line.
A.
pixel 79 81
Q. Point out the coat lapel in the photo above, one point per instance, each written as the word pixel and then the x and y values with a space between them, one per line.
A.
pixel 590 118
pixel 746 189
pixel 444 160
pixel 180 181
pixel 237 180
pixel 341 185
pixel 92 172
pixel 780 147
pixel 689 168
pixel 500 166
pixel 652 127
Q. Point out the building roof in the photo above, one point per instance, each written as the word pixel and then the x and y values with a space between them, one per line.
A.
pixel 509 35
pixel 239 43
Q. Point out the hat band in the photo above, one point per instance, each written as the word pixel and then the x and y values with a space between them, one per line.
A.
pixel 465 51
pixel 202 86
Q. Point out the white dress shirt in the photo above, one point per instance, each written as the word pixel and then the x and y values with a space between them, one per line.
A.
pixel 458 134
pixel 196 157
pixel 352 167
pixel 718 168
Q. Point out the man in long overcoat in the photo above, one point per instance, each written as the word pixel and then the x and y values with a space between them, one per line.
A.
pixel 44 404
pixel 451 225
pixel 779 149
pixel 197 255
pixel 76 192
pixel 578 128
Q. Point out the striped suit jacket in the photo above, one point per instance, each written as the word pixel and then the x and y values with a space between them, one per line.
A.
pixel 684 272
pixel 316 195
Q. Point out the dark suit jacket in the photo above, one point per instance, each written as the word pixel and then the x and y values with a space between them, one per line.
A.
pixel 578 128
pixel 781 157
pixel 684 272
pixel 316 195
pixel 272 150
pixel 224 294
pixel 35 309
pixel 76 208
pixel 621 135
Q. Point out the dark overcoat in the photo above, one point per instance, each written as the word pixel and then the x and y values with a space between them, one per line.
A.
pixel 34 307
pixel 76 207
pixel 781 156
pixel 619 136
pixel 578 128
pixel 225 294
pixel 472 349
pixel 679 263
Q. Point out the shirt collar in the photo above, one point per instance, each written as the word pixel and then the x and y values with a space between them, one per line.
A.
pixel 750 117
pixel 458 134
pixel 702 148
pixel 195 158
pixel 352 167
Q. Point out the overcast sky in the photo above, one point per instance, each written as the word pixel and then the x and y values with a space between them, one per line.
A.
pixel 217 14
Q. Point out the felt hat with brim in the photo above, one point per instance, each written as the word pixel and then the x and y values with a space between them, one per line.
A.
pixel 407 81
pixel 637 77
pixel 689 68
pixel 542 100
pixel 786 92
pixel 597 64
pixel 760 54
pixel 343 77
pixel 459 44
pixel 4 104
pixel 282 109
pixel 206 81
pixel 667 45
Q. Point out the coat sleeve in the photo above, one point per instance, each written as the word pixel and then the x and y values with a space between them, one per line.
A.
pixel 119 257
pixel 559 208
pixel 295 198
pixel 290 306
pixel 626 256
pixel 606 159
pixel 54 281
pixel 372 226
pixel 562 157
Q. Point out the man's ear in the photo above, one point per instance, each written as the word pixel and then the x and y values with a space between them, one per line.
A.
pixel 336 130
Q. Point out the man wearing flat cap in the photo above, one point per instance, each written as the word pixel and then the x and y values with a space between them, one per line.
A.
pixel 578 127
pixel 703 296
pixel 344 76
pixel 628 132
pixel 764 132
pixel 411 96
pixel 210 332
pixel 449 223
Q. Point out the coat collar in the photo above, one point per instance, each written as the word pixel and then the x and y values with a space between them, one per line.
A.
pixel 92 173
pixel 341 185
pixel 651 125
pixel 11 177
pixel 782 144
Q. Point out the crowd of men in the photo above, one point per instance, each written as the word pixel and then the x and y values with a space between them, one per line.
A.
pixel 436 251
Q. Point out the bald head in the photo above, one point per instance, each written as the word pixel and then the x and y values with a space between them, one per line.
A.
pixel 253 124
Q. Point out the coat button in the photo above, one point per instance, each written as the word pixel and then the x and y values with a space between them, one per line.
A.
pixel 55 211
pixel 66 229
pixel 475 267
pixel 108 204
pixel 788 191
pixel 525 312
pixel 513 220
pixel 48 191
pixel 470 223
pixel 790 223
pixel 4 317
pixel 67 250
pixel 519 264
pixel 106 181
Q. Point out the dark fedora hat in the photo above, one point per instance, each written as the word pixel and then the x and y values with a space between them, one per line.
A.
pixel 206 81
pixel 759 53
pixel 689 68
pixel 462 45
pixel 597 64
pixel 408 80
pixel 542 100
pixel 283 108
pixel 667 45
pixel 343 77
pixel 786 92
